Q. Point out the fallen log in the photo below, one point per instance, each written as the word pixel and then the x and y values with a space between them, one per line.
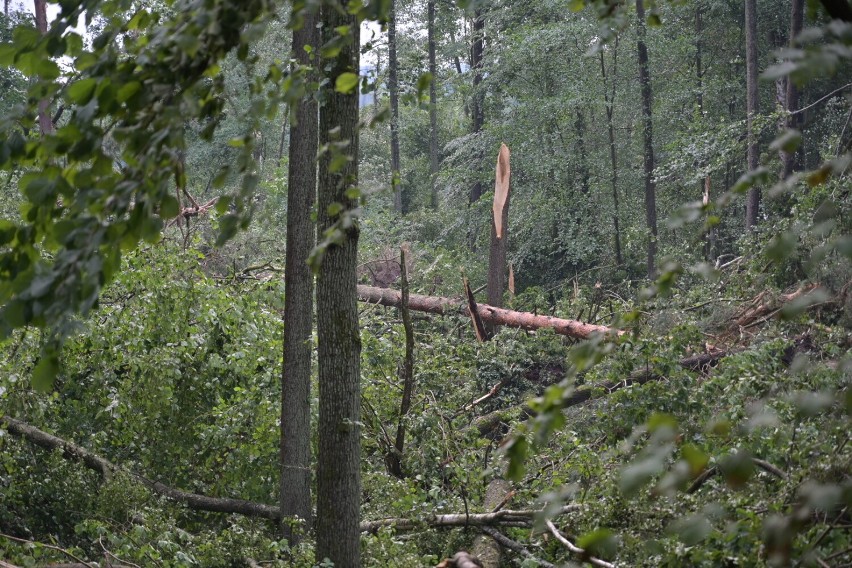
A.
pixel 501 517
pixel 106 468
pixel 488 314
pixel 73 452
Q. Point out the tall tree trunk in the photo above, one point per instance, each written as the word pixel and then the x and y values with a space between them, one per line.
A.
pixel 393 86
pixel 791 98
pixel 433 107
pixel 477 110
pixel 613 157
pixel 338 463
pixel 647 123
pixel 753 199
pixel 705 185
pixel 298 296
pixel 45 123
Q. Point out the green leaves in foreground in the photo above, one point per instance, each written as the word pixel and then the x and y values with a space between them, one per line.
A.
pixel 120 149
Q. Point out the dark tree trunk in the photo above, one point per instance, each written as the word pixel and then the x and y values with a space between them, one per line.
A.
pixel 338 463
pixel 613 157
pixel 580 127
pixel 433 107
pixel 791 97
pixel 44 121
pixel 477 110
pixel 753 199
pixel 393 87
pixel 647 131
pixel 298 297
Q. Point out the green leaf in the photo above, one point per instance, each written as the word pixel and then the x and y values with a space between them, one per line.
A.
pixel 45 372
pixel 346 83
pixel 80 92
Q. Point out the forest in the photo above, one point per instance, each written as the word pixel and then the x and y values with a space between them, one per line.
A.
pixel 439 283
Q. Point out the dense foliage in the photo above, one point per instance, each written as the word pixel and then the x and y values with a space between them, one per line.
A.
pixel 170 363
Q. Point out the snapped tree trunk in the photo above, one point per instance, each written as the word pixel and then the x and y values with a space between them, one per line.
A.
pixel 339 349
pixel 497 269
pixel 393 87
pixel 433 106
pixel 753 199
pixel 295 492
pixel 647 135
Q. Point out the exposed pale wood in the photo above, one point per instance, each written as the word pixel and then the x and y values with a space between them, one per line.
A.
pixel 501 188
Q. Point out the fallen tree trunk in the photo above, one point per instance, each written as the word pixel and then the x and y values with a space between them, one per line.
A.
pixel 106 468
pixel 502 517
pixel 488 314
pixel 198 502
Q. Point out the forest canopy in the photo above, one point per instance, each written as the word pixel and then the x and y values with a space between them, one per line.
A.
pixel 425 283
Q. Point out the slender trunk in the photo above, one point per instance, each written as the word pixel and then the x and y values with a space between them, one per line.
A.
pixel 456 59
pixel 406 375
pixel 376 102
pixel 393 86
pixel 477 100
pixel 791 98
pixel 753 200
pixel 44 121
pixel 433 107
pixel 613 157
pixel 283 138
pixel 580 127
pixel 339 350
pixel 647 123
pixel 298 297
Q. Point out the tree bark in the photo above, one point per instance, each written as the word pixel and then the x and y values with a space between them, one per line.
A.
pixel 406 375
pixel 393 87
pixel 753 199
pixel 613 158
pixel 791 96
pixel 484 547
pixel 433 106
pixel 477 110
pixel 647 133
pixel 338 464
pixel 298 296
pixel 498 316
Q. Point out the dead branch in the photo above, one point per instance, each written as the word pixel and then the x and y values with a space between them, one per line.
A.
pixel 503 517
pixel 489 314
pixel 762 464
pixel 475 318
pixel 576 549
pixel 51 547
pixel 515 546
pixel 763 307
